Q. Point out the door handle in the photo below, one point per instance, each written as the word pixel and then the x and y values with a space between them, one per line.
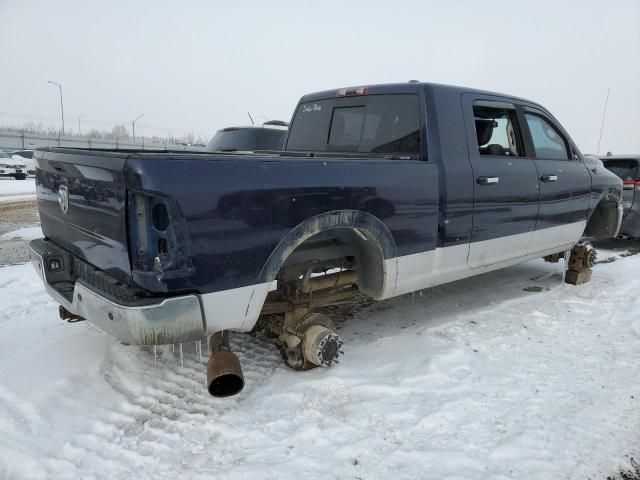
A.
pixel 549 178
pixel 488 180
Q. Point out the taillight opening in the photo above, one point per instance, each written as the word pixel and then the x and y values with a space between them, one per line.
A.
pixel 157 239
pixel 160 216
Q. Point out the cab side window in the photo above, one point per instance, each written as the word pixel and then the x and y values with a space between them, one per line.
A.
pixel 548 142
pixel 497 132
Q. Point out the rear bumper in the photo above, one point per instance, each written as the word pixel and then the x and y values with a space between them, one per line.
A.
pixel 112 306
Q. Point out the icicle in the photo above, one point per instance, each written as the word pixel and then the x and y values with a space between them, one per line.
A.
pixel 208 346
pixel 155 354
pixel 567 255
pixel 173 348
pixel 181 356
pixel 199 349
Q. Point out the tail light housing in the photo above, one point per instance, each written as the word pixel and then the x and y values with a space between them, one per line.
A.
pixel 631 185
pixel 158 243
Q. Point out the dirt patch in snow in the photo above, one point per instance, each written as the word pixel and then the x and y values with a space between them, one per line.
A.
pixel 14 216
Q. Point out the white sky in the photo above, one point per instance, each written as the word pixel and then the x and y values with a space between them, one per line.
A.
pixel 201 65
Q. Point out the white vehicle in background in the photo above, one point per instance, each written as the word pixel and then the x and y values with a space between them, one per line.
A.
pixel 26 157
pixel 10 167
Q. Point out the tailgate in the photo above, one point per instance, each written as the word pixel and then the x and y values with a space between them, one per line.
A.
pixel 82 204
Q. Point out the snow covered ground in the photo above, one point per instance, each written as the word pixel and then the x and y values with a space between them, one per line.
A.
pixel 478 379
pixel 12 190
pixel 26 233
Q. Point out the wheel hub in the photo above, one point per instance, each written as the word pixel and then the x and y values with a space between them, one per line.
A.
pixel 322 346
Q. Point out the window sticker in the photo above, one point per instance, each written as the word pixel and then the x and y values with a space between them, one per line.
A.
pixel 311 108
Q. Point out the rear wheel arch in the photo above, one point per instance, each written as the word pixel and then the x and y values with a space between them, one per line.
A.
pixel 604 219
pixel 369 239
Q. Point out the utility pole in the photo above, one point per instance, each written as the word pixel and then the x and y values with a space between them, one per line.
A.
pixel 133 125
pixel 61 105
pixel 604 114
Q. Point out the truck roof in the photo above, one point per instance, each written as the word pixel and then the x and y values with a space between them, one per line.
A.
pixel 405 87
pixel 604 158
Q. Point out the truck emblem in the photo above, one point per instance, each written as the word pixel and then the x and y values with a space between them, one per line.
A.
pixel 63 198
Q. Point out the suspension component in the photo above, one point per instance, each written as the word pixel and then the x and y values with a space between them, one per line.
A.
pixel 582 258
pixel 583 255
pixel 306 340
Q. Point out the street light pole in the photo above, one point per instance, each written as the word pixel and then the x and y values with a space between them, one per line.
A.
pixel 61 105
pixel 133 125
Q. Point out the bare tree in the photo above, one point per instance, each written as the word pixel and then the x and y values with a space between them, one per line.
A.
pixel 93 133
pixel 118 131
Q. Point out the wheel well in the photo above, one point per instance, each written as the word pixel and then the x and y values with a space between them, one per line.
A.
pixel 603 222
pixel 357 236
pixel 351 248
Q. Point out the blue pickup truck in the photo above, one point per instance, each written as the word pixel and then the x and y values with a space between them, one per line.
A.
pixel 379 190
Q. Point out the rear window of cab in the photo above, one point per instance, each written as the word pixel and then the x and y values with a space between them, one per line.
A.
pixel 627 170
pixel 381 124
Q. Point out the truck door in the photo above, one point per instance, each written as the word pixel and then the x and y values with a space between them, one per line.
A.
pixel 506 192
pixel 565 183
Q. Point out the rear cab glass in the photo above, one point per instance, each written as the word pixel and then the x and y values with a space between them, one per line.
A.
pixel 387 124
pixel 234 139
pixel 247 139
pixel 271 139
pixel 627 170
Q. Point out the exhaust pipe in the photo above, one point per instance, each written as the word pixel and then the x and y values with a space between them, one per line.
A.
pixel 224 375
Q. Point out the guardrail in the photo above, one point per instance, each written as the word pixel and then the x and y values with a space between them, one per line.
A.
pixel 11 140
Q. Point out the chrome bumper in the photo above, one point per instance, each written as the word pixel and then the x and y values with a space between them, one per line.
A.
pixel 171 320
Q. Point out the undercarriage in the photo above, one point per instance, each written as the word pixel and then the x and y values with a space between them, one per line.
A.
pixel 307 338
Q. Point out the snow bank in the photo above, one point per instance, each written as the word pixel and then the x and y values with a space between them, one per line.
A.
pixel 477 379
pixel 12 190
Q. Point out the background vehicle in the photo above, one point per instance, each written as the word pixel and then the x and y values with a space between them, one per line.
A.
pixel 626 167
pixel 26 157
pixel 10 167
pixel 380 190
pixel 268 136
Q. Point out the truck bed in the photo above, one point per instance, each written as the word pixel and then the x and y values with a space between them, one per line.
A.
pixel 231 210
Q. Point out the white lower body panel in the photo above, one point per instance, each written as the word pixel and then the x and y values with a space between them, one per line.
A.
pixel 442 265
pixel 239 308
